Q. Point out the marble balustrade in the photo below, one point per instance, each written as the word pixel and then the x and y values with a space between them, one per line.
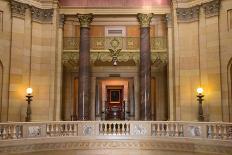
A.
pixel 111 129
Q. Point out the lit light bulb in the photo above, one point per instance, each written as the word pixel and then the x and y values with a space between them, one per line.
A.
pixel 200 90
pixel 29 90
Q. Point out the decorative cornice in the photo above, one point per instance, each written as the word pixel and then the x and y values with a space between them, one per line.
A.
pixel 85 19
pixel 188 14
pixel 18 9
pixel 145 19
pixel 41 15
pixel 61 20
pixel 212 8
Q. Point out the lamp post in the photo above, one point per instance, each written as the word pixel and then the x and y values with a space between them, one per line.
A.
pixel 29 99
pixel 200 100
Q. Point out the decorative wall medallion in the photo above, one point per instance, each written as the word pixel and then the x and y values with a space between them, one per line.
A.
pixel 195 131
pixel 18 9
pixel 139 130
pixel 212 8
pixel 88 130
pixel 188 14
pixel 34 131
pixel 41 15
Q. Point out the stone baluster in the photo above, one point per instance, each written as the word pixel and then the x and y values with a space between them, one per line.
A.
pixel 123 130
pixel 14 132
pixel 1 130
pixel 66 130
pixel 176 130
pixel 69 130
pixel 219 131
pixel 214 131
pixel 52 130
pixel 9 132
pixel 162 129
pixel 114 128
pixel 48 130
pixel 106 128
pixel 56 130
pixel 181 131
pixel 75 129
pixel 100 129
pixel 4 133
pixel 127 129
pixel 210 132
pixel 167 130
pixel 20 132
pixel 158 130
pixel 224 133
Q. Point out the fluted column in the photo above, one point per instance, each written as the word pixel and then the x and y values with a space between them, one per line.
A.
pixel 145 66
pixel 84 67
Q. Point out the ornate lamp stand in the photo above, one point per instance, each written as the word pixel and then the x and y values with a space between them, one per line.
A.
pixel 200 101
pixel 29 99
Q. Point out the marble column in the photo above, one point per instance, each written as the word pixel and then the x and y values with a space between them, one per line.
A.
pixel 84 67
pixel 145 66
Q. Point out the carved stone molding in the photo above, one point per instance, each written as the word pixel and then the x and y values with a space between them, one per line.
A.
pixel 85 19
pixel 212 8
pixel 169 20
pixel 41 15
pixel 61 20
pixel 18 9
pixel 55 144
pixel 145 19
pixel 72 58
pixel 188 14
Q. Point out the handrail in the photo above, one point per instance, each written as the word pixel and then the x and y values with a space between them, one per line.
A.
pixel 161 129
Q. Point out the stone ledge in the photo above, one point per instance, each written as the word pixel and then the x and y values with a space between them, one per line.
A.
pixel 98 142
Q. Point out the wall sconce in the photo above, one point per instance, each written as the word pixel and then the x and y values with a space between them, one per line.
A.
pixel 200 100
pixel 29 99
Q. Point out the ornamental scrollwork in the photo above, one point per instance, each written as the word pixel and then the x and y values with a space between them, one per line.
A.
pixel 18 9
pixel 188 14
pixel 124 43
pixel 212 8
pixel 72 58
pixel 145 19
pixel 41 15
pixel 61 20
pixel 85 19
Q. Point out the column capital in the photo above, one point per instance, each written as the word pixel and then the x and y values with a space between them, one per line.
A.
pixel 169 20
pixel 85 19
pixel 18 9
pixel 144 19
pixel 212 8
pixel 61 20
